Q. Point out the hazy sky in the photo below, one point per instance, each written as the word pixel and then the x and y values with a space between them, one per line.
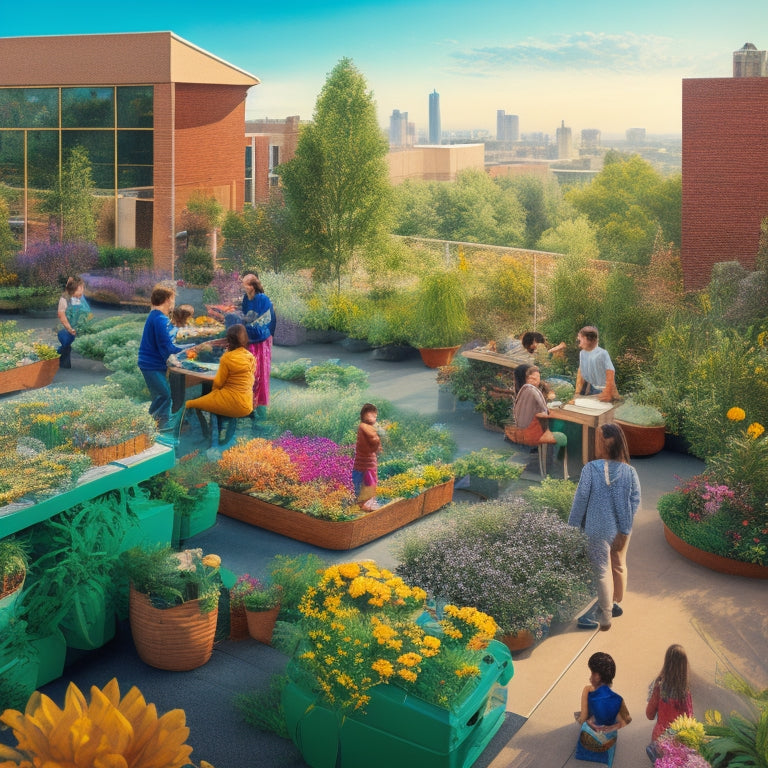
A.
pixel 594 64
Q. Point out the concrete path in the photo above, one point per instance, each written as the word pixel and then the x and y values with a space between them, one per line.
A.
pixel 721 620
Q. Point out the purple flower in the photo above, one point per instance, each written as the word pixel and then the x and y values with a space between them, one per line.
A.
pixel 318 458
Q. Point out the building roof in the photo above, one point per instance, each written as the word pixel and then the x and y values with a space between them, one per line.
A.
pixel 114 59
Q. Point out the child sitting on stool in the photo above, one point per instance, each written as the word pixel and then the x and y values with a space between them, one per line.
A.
pixel 365 465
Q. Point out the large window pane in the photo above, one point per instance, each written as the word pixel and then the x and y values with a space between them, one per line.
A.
pixel 135 106
pixel 135 147
pixel 101 152
pixel 87 108
pixel 29 107
pixel 42 159
pixel 12 158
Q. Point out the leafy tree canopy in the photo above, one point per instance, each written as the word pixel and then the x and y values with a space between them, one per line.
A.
pixel 337 186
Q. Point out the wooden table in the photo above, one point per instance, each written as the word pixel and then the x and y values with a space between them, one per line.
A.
pixel 507 361
pixel 180 378
pixel 589 419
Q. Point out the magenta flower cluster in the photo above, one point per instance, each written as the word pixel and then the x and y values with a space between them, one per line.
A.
pixel 318 458
pixel 677 755
pixel 713 497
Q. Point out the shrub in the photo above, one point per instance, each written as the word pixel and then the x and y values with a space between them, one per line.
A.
pixel 115 256
pixel 196 266
pixel 50 264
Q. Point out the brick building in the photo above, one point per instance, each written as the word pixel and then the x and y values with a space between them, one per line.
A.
pixel 725 165
pixel 268 143
pixel 161 119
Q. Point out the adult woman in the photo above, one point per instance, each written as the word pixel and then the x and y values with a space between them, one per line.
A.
pixel 232 391
pixel 606 500
pixel 260 321
pixel 530 403
pixel 72 308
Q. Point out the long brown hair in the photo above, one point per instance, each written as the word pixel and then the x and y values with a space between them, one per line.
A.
pixel 237 336
pixel 673 678
pixel 615 443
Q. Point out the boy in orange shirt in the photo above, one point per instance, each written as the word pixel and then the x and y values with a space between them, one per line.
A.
pixel 365 464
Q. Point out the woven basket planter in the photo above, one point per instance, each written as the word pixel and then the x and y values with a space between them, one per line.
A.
pixel 437 496
pixel 436 357
pixel 261 624
pixel 177 639
pixel 490 426
pixel 105 454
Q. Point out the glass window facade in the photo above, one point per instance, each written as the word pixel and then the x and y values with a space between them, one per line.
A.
pixel 115 124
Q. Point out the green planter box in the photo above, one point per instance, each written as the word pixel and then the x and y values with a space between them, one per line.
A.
pixel 400 729
pixel 51 654
pixel 18 679
pixel 154 523
pixel 90 623
pixel 203 516
pixel 8 607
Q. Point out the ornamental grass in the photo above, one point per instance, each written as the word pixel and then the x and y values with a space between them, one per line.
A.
pixel 358 630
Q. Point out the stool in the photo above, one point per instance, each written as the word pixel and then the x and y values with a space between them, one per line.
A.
pixel 530 436
pixel 217 424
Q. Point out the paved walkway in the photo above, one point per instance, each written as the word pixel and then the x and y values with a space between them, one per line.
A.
pixel 721 620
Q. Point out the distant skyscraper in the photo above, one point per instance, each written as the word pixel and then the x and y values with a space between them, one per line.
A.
pixel 564 142
pixel 590 139
pixel 435 132
pixel 635 135
pixel 398 129
pixel 749 62
pixel 507 126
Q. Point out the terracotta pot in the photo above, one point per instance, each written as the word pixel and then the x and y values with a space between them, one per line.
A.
pixel 519 641
pixel 177 639
pixel 435 357
pixel 261 624
pixel 238 624
pixel 712 561
pixel 642 441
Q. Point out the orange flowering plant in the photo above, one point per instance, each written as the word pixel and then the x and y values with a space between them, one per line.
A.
pixel 363 626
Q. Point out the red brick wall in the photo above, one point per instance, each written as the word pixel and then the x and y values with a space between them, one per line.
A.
pixel 209 143
pixel 725 167
pixel 163 227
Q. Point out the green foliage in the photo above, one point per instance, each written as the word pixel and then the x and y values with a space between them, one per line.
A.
pixel 294 574
pixel 199 218
pixel 263 599
pixel 72 200
pixel 196 266
pixel 116 256
pixel 332 375
pixel 155 572
pixel 13 557
pixel 291 370
pixel 15 644
pixel 487 464
pixel 642 415
pixel 8 243
pixel 574 237
pixel 553 495
pixel 337 185
pixel 542 202
pixel 628 202
pixel 115 332
pixel 440 316
pixel 263 708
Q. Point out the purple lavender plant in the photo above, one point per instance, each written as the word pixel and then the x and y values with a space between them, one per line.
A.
pixel 50 264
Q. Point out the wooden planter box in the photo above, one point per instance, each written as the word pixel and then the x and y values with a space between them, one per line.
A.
pixel 106 454
pixel 328 534
pixel 32 376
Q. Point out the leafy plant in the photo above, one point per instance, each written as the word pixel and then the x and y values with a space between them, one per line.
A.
pixel 13 559
pixel 554 495
pixel 488 464
pixel 440 316
pixel 641 415
pixel 263 708
pixel 332 375
pixel 263 599
pixel 294 574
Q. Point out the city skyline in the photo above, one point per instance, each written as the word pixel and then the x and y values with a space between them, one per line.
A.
pixel 595 65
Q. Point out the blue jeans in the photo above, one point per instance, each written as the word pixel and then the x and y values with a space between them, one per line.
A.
pixel 160 391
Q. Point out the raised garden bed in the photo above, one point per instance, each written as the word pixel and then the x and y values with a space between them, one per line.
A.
pixel 32 376
pixel 330 534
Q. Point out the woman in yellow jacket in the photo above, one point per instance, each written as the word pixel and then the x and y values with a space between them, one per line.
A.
pixel 232 393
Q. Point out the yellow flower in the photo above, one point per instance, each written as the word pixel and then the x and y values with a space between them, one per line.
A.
pixel 108 731
pixel 212 561
pixel 407 675
pixel 409 659
pixel 736 414
pixel 349 570
pixel 754 430
pixel 383 667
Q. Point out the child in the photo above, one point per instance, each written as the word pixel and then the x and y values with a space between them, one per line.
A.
pixel 603 710
pixel 596 374
pixel 668 696
pixel 72 308
pixel 180 316
pixel 366 463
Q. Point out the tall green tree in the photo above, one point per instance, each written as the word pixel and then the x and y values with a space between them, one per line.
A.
pixel 72 200
pixel 628 203
pixel 337 188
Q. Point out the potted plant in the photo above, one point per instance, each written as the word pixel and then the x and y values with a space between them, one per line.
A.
pixel 522 566
pixel 238 623
pixel 643 426
pixel 13 570
pixel 262 606
pixel 439 323
pixel 362 683
pixel 24 362
pixel 485 472
pixel 173 605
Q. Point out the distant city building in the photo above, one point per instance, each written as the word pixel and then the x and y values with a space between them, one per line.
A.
pixel 725 196
pixel 507 126
pixel 564 142
pixel 268 143
pixel 590 139
pixel 398 129
pixel 749 62
pixel 635 135
pixel 435 163
pixel 435 132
